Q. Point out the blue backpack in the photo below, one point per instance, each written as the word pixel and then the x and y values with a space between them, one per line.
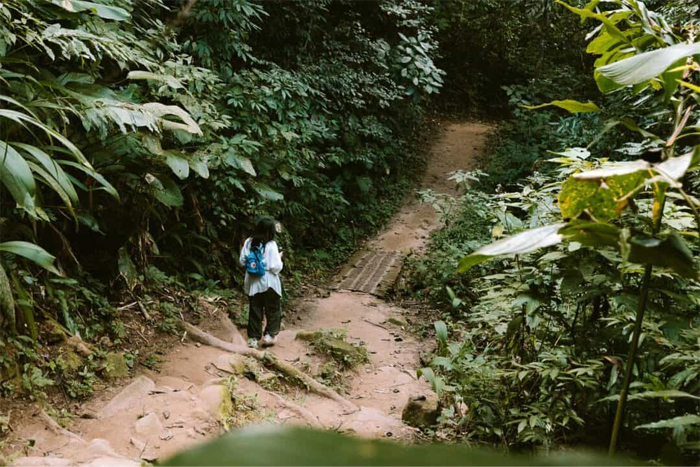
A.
pixel 254 263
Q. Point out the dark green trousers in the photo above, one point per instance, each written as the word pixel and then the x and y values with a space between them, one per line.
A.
pixel 265 304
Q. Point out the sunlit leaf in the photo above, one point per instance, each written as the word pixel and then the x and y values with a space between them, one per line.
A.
pixel 200 166
pixel 647 65
pixel 666 394
pixel 570 105
pixel 521 243
pixel 267 192
pixel 52 167
pixel 671 423
pixel 103 11
pixel 147 75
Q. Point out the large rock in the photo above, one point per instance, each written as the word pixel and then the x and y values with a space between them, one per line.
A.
pixel 421 410
pixel 149 426
pixel 130 397
pixel 216 399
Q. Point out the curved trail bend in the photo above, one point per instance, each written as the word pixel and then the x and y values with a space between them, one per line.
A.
pixel 157 414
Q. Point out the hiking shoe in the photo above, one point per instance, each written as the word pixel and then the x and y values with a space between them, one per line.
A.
pixel 253 343
pixel 269 340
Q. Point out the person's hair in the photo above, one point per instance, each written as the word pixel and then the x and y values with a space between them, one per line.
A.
pixel 264 232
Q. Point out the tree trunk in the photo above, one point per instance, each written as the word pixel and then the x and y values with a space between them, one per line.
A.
pixel 7 303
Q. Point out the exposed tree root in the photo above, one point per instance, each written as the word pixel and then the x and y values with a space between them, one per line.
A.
pixel 269 360
pixel 306 414
pixel 236 337
pixel 57 429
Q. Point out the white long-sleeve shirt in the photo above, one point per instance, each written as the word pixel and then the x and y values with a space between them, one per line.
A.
pixel 273 265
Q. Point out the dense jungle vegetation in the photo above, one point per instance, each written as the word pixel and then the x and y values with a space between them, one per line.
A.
pixel 141 138
pixel 583 326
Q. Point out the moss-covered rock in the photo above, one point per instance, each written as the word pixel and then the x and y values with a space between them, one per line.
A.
pixel 397 320
pixel 54 333
pixel 332 344
pixel 72 360
pixel 268 381
pixel 115 366
pixel 421 411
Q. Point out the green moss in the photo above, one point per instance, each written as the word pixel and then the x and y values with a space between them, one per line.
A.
pixel 115 366
pixel 331 343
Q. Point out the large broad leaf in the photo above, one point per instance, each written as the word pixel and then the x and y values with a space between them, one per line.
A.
pixel 670 252
pixel 159 110
pixel 666 394
pixel 643 67
pixel 614 169
pixel 200 166
pixel 52 168
pixel 166 191
pixel 604 200
pixel 275 445
pixel 672 423
pixel 178 163
pixel 675 168
pixel 127 268
pixel 21 118
pixel 16 175
pixel 671 171
pixel 569 105
pixel 268 193
pixel 240 162
pixel 31 252
pixel 591 233
pixel 92 173
pixel 45 177
pixel 103 11
pixel 147 75
pixel 524 242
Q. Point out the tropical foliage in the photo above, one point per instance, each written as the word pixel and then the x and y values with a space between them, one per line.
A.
pixel 580 313
pixel 140 138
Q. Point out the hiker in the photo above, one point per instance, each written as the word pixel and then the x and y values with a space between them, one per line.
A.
pixel 263 262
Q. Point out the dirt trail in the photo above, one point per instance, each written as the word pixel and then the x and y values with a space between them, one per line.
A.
pixel 157 414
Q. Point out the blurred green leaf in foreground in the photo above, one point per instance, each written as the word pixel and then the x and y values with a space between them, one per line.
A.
pixel 273 445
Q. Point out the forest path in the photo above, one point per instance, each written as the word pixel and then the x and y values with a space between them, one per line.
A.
pixel 159 413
